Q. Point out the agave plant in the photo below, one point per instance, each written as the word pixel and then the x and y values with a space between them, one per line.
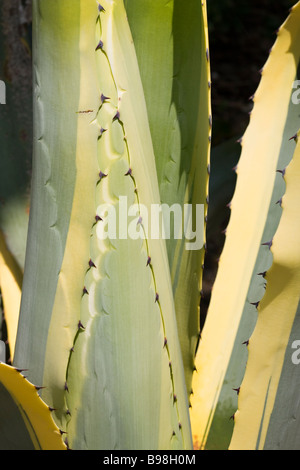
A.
pixel 256 295
pixel 108 328
pixel 15 161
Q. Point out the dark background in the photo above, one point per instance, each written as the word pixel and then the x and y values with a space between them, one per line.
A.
pixel 241 33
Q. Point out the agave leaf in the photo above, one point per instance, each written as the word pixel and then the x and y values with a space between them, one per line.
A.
pixel 15 130
pixel 15 158
pixel 11 285
pixel 53 179
pixel 268 406
pixel 255 215
pixel 171 43
pixel 110 319
pixel 26 422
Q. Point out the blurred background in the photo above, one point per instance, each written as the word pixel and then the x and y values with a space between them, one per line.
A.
pixel 241 35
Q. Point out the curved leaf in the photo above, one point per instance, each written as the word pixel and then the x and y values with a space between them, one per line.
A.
pixel 25 420
pixel 110 319
pixel 171 43
pixel 255 215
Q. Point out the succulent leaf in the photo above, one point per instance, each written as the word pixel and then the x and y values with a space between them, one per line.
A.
pixel 111 319
pixel 11 285
pixel 15 157
pixel 53 178
pixel 177 93
pixel 15 130
pixel 268 411
pixel 255 214
pixel 26 422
